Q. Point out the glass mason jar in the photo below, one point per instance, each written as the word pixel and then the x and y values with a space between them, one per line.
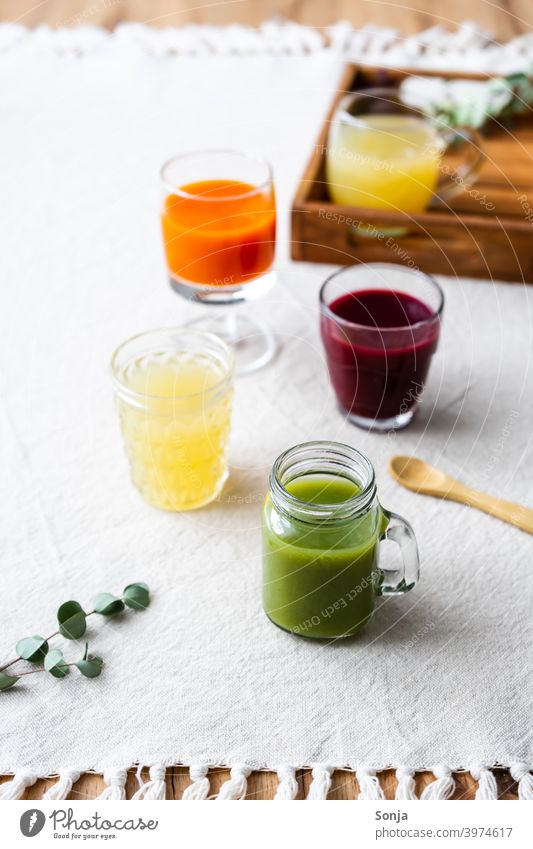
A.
pixel 322 525
pixel 173 390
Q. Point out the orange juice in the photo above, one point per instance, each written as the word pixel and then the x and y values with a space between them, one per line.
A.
pixel 219 232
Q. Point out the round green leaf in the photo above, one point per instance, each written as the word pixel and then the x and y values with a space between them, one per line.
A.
pixel 72 621
pixel 7 681
pixel 107 604
pixel 32 649
pixel 54 663
pixel 137 596
pixel 90 666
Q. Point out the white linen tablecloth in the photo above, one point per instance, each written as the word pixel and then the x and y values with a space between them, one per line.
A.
pixel 442 676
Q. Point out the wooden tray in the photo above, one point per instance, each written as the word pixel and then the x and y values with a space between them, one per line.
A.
pixel 489 238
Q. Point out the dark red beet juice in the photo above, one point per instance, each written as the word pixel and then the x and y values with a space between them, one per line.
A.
pixel 379 344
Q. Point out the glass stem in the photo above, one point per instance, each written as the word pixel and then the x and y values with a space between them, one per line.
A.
pixel 231 327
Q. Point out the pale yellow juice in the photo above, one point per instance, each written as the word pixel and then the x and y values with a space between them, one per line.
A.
pixel 384 162
pixel 175 410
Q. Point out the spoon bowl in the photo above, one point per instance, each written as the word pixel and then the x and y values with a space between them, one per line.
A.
pixel 420 477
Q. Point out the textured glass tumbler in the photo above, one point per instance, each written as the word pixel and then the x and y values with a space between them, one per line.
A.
pixel 173 390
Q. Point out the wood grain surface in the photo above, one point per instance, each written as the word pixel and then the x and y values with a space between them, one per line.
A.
pixel 262 785
pixel 504 20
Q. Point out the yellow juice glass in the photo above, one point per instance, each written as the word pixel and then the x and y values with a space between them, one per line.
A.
pixel 173 390
pixel 387 162
pixel 387 155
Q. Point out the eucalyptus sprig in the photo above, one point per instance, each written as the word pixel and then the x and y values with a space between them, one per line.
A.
pixel 72 622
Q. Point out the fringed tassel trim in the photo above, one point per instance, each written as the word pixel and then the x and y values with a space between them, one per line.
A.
pixel 288 785
pixel 15 788
pixel 199 789
pixel 63 786
pixel 521 773
pixel 116 785
pixel 487 789
pixel 321 783
pixel 155 788
pixel 406 787
pixel 468 47
pixel 443 786
pixel 235 786
pixel 369 786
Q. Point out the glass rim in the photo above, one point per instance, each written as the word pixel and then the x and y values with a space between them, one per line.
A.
pixel 385 93
pixel 208 337
pixel 210 151
pixel 344 510
pixel 436 314
pixel 393 95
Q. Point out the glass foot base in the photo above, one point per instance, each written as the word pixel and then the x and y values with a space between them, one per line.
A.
pixel 253 343
pixel 225 293
pixel 381 425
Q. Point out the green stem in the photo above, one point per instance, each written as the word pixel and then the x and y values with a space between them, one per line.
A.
pixel 47 639
pixel 41 669
pixel 11 662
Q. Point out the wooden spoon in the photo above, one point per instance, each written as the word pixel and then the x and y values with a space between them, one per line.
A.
pixel 421 477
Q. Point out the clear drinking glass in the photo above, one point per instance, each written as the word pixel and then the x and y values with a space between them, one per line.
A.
pixel 322 528
pixel 380 326
pixel 385 154
pixel 219 232
pixel 173 390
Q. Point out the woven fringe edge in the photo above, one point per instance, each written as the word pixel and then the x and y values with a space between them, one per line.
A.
pixel 155 788
pixel 468 48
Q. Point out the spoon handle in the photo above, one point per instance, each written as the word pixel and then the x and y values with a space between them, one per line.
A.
pixel 508 511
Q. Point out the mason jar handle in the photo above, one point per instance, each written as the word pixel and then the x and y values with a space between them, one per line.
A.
pixel 400 580
pixel 468 170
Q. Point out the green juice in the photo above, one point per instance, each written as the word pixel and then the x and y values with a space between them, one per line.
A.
pixel 321 575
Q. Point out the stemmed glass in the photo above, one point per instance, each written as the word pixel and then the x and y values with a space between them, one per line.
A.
pixel 219 233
